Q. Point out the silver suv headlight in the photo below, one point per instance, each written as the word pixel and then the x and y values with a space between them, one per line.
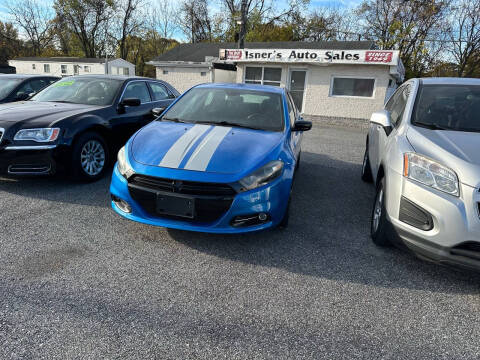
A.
pixel 122 164
pixel 430 173
pixel 38 135
pixel 262 176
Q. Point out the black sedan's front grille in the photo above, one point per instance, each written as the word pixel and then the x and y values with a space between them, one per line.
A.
pixel 2 131
pixel 211 200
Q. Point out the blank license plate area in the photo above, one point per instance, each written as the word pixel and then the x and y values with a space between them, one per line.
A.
pixel 175 205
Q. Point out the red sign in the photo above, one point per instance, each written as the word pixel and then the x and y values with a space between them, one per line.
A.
pixel 233 54
pixel 378 56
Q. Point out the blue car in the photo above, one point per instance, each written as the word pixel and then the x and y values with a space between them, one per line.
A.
pixel 220 159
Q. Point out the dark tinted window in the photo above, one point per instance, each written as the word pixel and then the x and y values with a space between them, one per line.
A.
pixel 159 91
pixel 396 104
pixel 453 107
pixel 137 90
pixel 255 109
pixel 7 85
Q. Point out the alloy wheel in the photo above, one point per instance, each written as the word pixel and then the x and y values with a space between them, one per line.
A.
pixel 92 157
pixel 377 212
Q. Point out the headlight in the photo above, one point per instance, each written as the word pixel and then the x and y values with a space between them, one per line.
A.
pixel 123 167
pixel 38 135
pixel 262 176
pixel 430 173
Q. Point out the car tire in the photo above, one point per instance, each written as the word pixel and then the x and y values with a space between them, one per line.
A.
pixel 379 223
pixel 366 168
pixel 284 222
pixel 297 165
pixel 90 157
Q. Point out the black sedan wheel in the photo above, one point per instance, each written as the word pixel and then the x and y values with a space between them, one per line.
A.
pixel 90 157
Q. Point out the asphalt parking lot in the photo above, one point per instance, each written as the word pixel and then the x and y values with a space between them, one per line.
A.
pixel 78 281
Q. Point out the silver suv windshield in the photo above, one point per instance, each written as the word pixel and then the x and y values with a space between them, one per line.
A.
pixel 448 107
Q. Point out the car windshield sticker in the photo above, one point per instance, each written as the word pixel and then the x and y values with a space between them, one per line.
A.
pixel 64 83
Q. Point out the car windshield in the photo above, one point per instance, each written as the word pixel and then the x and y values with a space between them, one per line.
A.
pixel 448 107
pixel 7 85
pixel 88 91
pixel 229 107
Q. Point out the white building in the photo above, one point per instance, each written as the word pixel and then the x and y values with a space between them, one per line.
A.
pixel 348 79
pixel 68 66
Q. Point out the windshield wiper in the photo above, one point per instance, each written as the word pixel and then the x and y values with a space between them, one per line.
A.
pixel 431 126
pixel 226 123
pixel 172 119
pixel 63 101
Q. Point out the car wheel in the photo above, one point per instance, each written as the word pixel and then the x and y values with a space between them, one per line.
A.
pixel 366 169
pixel 284 223
pixel 379 223
pixel 90 157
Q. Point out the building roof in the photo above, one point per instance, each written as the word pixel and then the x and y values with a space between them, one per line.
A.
pixel 63 59
pixel 198 51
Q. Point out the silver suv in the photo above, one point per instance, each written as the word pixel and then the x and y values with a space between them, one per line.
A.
pixel 423 154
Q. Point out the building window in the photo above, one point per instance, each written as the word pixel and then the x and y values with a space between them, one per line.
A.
pixel 263 75
pixel 64 69
pixel 165 72
pixel 86 69
pixel 33 67
pixel 126 71
pixel 352 87
pixel 46 68
pixel 203 73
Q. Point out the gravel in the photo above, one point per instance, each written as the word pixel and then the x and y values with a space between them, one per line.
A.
pixel 77 281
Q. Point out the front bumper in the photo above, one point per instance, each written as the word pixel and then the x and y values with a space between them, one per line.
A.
pixel 271 199
pixel 455 236
pixel 34 160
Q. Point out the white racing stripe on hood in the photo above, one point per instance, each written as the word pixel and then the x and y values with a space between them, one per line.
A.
pixel 180 148
pixel 204 152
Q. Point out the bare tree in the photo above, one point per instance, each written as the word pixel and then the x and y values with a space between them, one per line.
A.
pixel 128 23
pixel 195 21
pixel 464 36
pixel 36 21
pixel 162 18
pixel 88 20
pixel 403 25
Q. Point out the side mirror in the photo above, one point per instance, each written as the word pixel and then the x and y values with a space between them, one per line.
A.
pixel 158 111
pixel 302 125
pixel 171 96
pixel 131 102
pixel 383 119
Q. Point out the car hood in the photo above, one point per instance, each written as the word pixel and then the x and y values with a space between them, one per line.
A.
pixel 459 150
pixel 36 113
pixel 207 148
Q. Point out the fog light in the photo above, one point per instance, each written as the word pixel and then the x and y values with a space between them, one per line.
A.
pixel 250 220
pixel 121 204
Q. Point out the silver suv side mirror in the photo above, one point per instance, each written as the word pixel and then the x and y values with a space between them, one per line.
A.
pixel 383 119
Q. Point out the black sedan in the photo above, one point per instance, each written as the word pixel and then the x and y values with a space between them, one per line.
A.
pixel 15 87
pixel 76 123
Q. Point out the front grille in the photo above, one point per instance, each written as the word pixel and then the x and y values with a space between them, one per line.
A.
pixel 2 131
pixel 211 200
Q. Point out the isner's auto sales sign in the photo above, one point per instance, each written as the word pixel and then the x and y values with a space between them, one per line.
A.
pixel 380 57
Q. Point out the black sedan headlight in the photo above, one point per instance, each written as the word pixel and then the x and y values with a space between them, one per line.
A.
pixel 37 135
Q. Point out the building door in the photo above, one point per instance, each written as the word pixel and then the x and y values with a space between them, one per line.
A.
pixel 297 87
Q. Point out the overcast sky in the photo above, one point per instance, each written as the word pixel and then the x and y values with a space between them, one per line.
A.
pixel 214 5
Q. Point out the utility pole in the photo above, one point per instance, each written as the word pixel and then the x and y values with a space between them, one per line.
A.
pixel 243 25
